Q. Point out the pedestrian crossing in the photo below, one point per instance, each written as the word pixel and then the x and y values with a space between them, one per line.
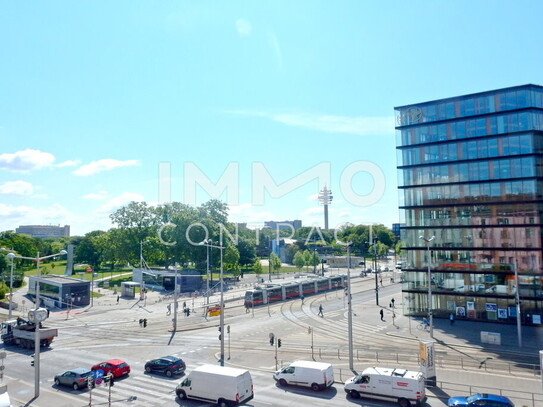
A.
pixel 141 389
pixel 136 389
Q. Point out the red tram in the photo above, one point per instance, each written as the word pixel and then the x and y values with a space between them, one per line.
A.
pixel 273 292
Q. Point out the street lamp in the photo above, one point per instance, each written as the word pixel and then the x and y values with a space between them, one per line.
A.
pixel 11 256
pixel 221 321
pixel 373 243
pixel 349 304
pixel 429 278
pixel 208 241
pixel 36 314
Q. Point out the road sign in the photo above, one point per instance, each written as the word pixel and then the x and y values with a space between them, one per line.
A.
pixel 98 374
pixel 89 269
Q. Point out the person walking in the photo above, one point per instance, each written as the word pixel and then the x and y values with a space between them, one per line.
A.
pixel 320 311
pixel 118 300
pixel 382 314
pixel 392 302
pixel 302 297
pixel 451 318
pixel 169 307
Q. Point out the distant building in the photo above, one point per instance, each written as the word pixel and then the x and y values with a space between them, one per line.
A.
pixel 296 224
pixel 43 231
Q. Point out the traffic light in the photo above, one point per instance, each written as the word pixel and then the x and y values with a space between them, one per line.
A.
pixel 220 337
pixel 278 343
pixel 271 340
pixel 32 361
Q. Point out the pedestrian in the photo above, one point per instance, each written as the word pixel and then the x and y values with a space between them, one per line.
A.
pixel 320 311
pixel 381 281
pixel 184 305
pixel 451 318
pixel 302 297
pixel 48 312
pixel 118 300
pixel 246 307
pixel 169 307
pixel 392 302
pixel 382 314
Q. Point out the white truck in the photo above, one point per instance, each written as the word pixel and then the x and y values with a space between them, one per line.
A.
pixel 382 383
pixel 217 384
pixel 21 332
pixel 317 375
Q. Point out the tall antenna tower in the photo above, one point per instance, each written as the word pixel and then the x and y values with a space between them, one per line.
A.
pixel 325 198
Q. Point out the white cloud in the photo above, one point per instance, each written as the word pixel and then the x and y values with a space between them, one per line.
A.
pixel 312 211
pixel 26 160
pixel 106 164
pixel 243 27
pixel 358 125
pixel 17 188
pixel 97 196
pixel 246 213
pixel 25 215
pixel 69 163
pixel 119 201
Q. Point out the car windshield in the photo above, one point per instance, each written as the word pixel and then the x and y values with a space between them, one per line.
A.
pixel 122 365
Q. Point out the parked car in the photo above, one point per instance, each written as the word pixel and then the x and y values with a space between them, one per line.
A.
pixel 169 365
pixel 116 367
pixel 74 378
pixel 480 400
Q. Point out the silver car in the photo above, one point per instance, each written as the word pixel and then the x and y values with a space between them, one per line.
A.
pixel 75 378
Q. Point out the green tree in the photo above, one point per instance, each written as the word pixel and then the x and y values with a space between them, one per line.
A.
pixel 231 259
pixel 299 260
pixel 90 250
pixel 275 262
pixel 257 267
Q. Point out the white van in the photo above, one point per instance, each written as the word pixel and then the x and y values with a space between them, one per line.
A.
pixel 400 385
pixel 217 384
pixel 317 375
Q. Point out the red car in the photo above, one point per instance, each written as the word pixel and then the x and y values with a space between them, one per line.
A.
pixel 116 366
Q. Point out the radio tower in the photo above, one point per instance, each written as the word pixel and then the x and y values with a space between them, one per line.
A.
pixel 325 198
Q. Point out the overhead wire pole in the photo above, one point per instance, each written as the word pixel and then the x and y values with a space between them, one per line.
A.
pixel 222 302
pixel 349 304
pixel 517 302
pixel 429 278
pixel 38 316
pixel 221 306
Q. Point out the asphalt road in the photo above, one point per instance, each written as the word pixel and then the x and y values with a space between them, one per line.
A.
pixel 108 330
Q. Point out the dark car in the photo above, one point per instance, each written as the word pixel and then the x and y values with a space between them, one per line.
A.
pixel 116 367
pixel 75 378
pixel 480 400
pixel 169 365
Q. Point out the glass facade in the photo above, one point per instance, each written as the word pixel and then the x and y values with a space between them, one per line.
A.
pixel 470 174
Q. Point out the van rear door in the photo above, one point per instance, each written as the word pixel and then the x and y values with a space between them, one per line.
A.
pixel 244 386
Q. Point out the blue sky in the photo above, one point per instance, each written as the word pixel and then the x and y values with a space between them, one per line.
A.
pixel 95 95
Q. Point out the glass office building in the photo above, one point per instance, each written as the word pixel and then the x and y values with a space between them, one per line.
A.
pixel 470 174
